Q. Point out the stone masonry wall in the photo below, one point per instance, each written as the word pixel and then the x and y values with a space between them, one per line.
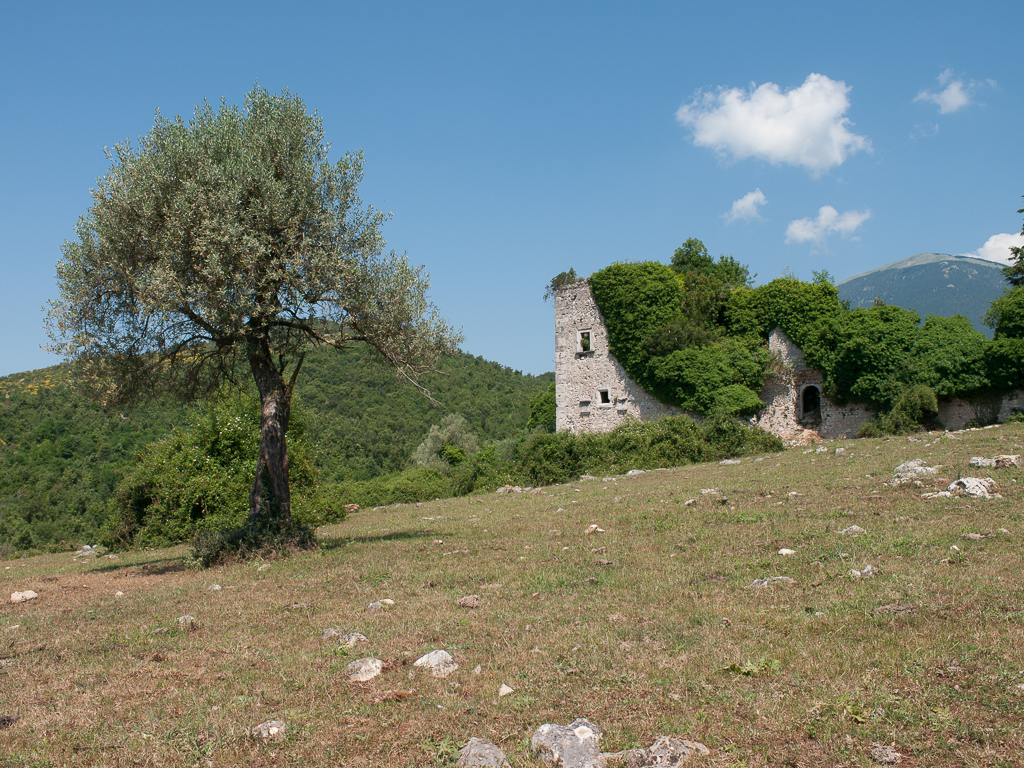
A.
pixel 594 394
pixel 592 391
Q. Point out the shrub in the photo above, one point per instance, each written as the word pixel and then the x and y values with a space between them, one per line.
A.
pixel 446 444
pixel 199 478
pixel 542 410
pixel 915 406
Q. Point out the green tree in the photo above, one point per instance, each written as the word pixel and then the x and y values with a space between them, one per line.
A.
pixel 543 409
pixel 447 444
pixel 229 242
pixel 561 280
pixel 1015 272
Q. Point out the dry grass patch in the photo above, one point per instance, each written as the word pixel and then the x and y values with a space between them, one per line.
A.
pixel 647 628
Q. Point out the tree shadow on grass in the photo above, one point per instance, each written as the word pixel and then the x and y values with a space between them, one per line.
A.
pixel 337 542
pixel 159 567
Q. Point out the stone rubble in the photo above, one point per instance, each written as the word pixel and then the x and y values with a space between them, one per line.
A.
pixel 438 663
pixel 665 752
pixel 23 597
pixel 867 572
pixel 576 745
pixel 768 581
pixel 188 622
pixel 481 754
pixel 885 754
pixel 271 730
pixel 469 601
pixel 362 670
pixel 853 530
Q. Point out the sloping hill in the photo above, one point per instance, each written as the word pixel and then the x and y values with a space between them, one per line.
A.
pixel 61 456
pixel 931 284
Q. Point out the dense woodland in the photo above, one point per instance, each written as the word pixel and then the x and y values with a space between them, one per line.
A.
pixel 694 334
pixel 62 456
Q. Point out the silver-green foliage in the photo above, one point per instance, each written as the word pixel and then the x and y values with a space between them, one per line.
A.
pixel 447 444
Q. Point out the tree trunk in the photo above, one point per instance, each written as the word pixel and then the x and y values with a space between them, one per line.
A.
pixel 270 507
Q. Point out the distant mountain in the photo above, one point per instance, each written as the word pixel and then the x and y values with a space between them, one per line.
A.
pixel 931 284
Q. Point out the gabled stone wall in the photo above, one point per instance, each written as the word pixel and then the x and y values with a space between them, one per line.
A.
pixel 593 393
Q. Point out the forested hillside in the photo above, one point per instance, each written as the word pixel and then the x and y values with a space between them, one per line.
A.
pixel 61 456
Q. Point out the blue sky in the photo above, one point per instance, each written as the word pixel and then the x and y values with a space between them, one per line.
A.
pixel 512 141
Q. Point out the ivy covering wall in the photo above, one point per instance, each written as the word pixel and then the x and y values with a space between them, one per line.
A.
pixel 694 334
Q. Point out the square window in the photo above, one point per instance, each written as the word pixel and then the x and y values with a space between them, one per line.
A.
pixel 583 343
pixel 604 396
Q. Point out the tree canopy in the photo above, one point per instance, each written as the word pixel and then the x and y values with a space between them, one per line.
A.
pixel 227 242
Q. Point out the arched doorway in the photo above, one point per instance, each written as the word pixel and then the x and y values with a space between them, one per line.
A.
pixel 810 405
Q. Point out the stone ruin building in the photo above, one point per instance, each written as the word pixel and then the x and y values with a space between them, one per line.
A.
pixel 593 393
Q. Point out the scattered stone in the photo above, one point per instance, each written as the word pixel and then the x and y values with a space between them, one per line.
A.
pixel 768 581
pixel 604 562
pixel 329 633
pixel 23 597
pixel 481 754
pixel 214 588
pixel 378 605
pixel 351 508
pixel 577 745
pixel 912 471
pixel 689 502
pixel 509 489
pixel 974 487
pixel 821 449
pixel 188 622
pixel 1006 461
pixel 505 690
pixel 264 567
pixel 665 752
pixel 635 472
pixel 594 529
pixel 297 607
pixel 885 754
pixel 729 462
pixel 469 601
pixel 976 536
pixel 853 530
pixel 387 601
pixel 271 730
pixel 981 461
pixel 352 639
pixel 438 663
pixel 786 552
pixel 706 491
pixel 119 593
pixel 867 572
pixel 361 670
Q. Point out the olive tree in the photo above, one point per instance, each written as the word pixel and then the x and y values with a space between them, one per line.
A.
pixel 227 243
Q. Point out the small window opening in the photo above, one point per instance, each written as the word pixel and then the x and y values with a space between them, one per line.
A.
pixel 605 397
pixel 583 342
pixel 810 405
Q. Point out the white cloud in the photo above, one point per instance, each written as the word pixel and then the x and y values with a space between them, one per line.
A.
pixel 802 126
pixel 997 248
pixel 955 93
pixel 746 207
pixel 828 222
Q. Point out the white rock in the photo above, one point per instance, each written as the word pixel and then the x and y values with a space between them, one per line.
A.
pixel 387 601
pixel 23 597
pixel 768 581
pixel 329 633
pixel 271 730
pixel 479 753
pixel 786 552
pixel 214 588
pixel 361 670
pixel 594 529
pixel 438 663
pixel 352 639
pixel 577 745
pixel 853 530
pixel 469 601
pixel 505 690
pixel 974 487
pixel 188 622
pixel 885 754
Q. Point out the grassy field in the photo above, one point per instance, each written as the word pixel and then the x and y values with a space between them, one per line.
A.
pixel 647 628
